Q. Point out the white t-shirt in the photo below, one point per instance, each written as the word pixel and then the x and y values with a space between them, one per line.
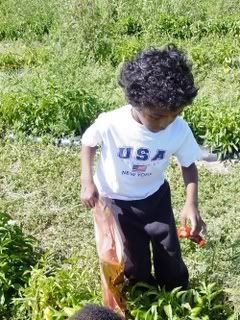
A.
pixel 133 159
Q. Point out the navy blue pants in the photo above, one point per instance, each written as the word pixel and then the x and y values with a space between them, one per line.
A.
pixel 146 222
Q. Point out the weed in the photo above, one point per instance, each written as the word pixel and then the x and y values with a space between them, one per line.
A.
pixel 17 255
pixel 65 72
pixel 48 207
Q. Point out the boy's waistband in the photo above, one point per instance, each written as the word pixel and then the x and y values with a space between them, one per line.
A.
pixel 156 195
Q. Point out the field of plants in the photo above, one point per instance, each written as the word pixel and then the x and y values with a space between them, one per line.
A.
pixel 59 63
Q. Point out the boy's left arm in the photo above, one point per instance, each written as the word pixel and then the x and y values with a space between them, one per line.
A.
pixel 190 210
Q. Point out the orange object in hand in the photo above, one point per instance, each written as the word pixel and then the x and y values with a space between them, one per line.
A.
pixel 185 232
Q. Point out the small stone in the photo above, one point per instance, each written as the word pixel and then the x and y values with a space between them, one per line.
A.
pixel 65 142
pixel 207 155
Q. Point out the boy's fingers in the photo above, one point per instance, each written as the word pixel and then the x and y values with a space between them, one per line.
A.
pixel 94 200
pixel 193 231
pixel 204 228
pixel 199 228
pixel 196 228
pixel 88 203
pixel 91 203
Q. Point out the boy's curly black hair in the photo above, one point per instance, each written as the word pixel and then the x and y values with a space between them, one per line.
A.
pixel 95 312
pixel 158 79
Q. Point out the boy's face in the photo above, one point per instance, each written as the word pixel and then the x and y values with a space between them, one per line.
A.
pixel 155 120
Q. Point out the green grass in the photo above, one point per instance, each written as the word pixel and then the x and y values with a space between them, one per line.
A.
pixel 40 189
pixel 30 19
pixel 59 63
pixel 67 55
pixel 18 253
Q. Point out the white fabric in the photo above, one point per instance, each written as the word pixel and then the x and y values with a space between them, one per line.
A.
pixel 133 159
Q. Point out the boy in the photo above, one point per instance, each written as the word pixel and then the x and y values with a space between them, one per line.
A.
pixel 137 141
pixel 95 312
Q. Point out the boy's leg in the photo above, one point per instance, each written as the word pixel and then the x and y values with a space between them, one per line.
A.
pixel 170 270
pixel 136 242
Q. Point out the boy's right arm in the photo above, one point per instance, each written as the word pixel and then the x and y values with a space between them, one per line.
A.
pixel 89 192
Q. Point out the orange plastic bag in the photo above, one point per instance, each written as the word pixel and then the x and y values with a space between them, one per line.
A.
pixel 110 252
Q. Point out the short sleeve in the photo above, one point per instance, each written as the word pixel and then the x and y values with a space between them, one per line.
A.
pixel 93 135
pixel 189 151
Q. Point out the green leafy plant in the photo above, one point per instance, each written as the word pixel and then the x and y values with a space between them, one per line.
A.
pixel 217 126
pixel 206 301
pixel 53 109
pixel 30 19
pixel 55 291
pixel 48 206
pixel 17 255
pixel 23 56
pixel 58 61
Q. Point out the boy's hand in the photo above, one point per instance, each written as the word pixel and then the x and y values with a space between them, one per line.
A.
pixel 191 212
pixel 89 194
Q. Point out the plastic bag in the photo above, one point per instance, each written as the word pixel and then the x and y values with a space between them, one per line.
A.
pixel 110 252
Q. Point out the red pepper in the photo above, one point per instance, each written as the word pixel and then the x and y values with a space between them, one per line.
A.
pixel 185 232
pixel 202 243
